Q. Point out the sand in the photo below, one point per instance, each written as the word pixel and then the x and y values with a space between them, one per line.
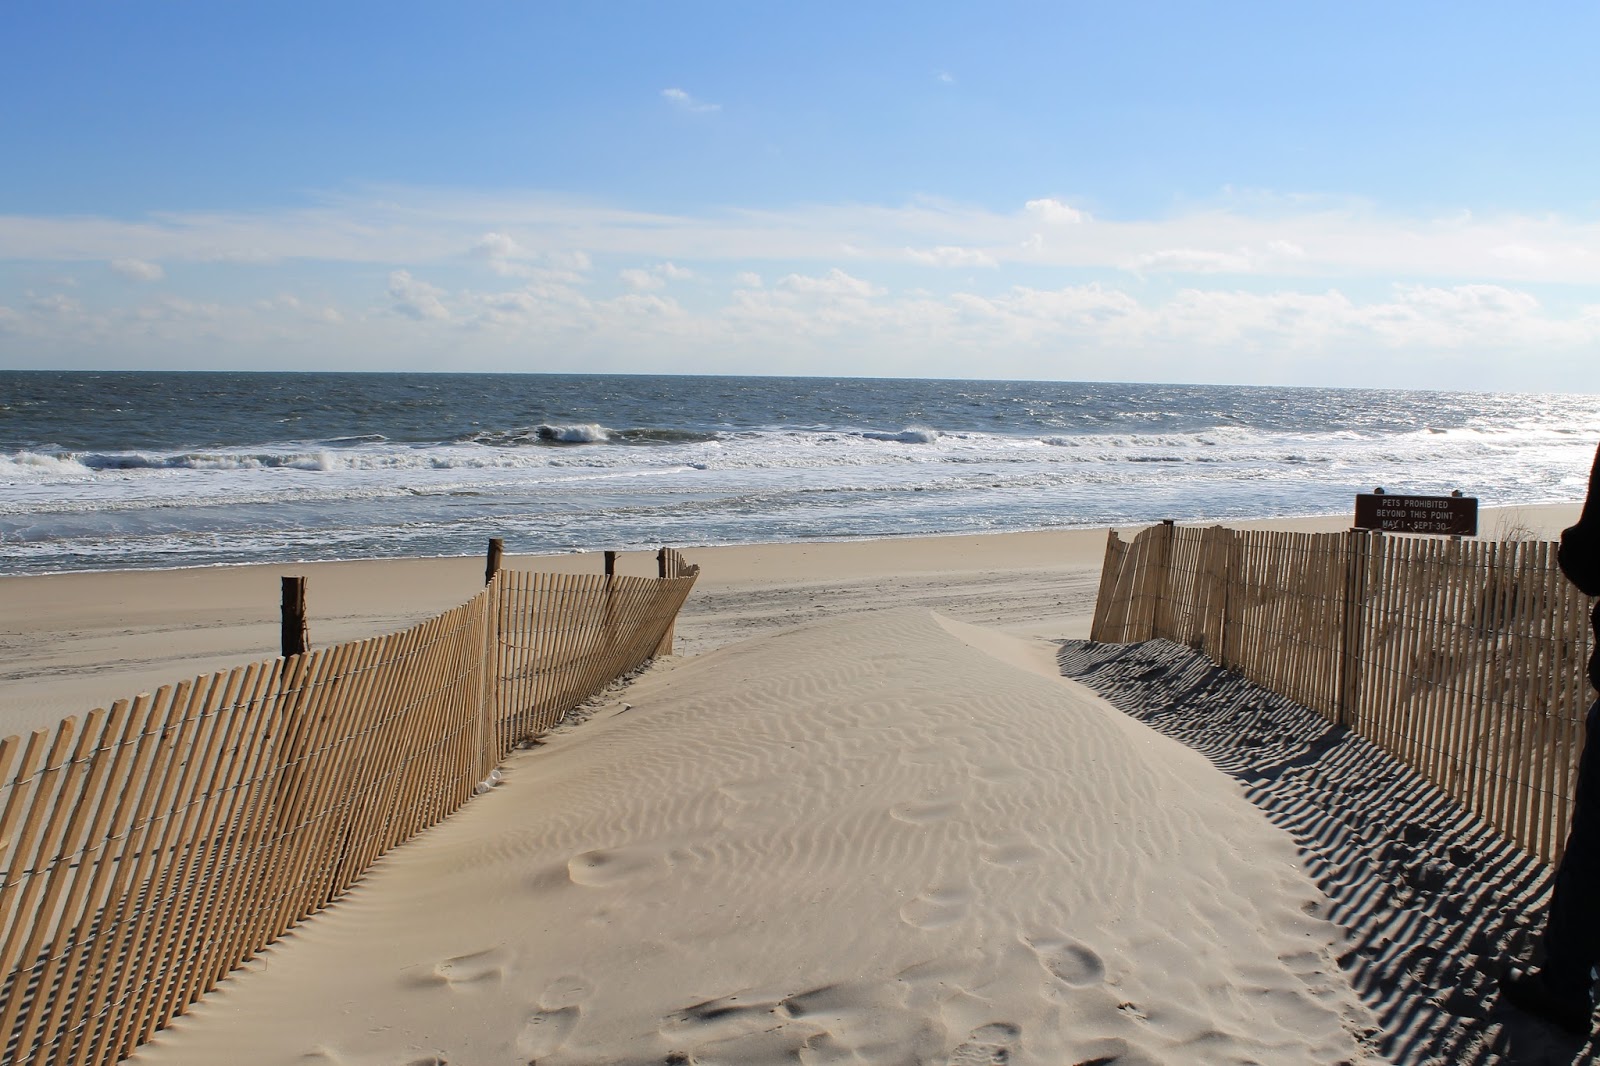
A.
pixel 884 838
pixel 860 817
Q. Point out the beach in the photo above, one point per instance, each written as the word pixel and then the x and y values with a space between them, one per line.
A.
pixel 858 816
pixel 71 642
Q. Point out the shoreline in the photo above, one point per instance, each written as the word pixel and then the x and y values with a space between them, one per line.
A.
pixel 1316 522
pixel 70 642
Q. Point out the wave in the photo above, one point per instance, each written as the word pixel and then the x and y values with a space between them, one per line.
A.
pixel 581 433
pixel 567 450
pixel 905 436
pixel 588 433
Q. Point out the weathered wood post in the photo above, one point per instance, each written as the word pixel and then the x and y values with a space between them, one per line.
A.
pixel 1358 555
pixel 611 564
pixel 1161 609
pixel 664 647
pixel 488 722
pixel 295 636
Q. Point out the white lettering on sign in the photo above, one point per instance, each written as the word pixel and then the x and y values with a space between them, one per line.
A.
pixel 1451 515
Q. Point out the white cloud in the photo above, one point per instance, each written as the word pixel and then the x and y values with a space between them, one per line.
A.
pixel 643 278
pixel 1190 261
pixel 493 246
pixel 946 77
pixel 54 303
pixel 834 283
pixel 178 309
pixel 1284 238
pixel 1204 261
pixel 502 254
pixel 416 299
pixel 1521 255
pixel 1054 212
pixel 637 278
pixel 647 304
pixel 292 306
pixel 683 100
pixel 138 269
pixel 839 322
pixel 1258 290
pixel 574 261
pixel 949 256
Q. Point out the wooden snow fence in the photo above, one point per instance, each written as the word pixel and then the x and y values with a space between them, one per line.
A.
pixel 1463 658
pixel 149 849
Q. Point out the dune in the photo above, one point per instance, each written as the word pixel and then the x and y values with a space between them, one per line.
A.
pixel 883 838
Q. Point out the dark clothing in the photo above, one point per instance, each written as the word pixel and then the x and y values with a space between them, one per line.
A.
pixel 1580 559
pixel 1572 934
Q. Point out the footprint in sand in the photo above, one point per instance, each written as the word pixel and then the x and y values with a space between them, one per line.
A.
pixel 923 813
pixel 1071 962
pixel 488 965
pixel 998 773
pixel 987 1045
pixel 546 1031
pixel 598 869
pixel 1010 853
pixel 724 1018
pixel 1115 1052
pixel 936 908
pixel 566 991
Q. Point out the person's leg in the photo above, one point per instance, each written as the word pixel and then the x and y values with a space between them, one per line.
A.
pixel 1572 931
pixel 1560 990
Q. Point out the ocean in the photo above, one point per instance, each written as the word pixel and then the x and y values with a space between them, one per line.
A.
pixel 151 469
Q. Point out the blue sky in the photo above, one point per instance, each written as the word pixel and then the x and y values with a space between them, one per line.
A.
pixel 1356 194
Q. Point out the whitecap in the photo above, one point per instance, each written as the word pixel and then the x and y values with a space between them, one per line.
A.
pixel 906 436
pixel 581 433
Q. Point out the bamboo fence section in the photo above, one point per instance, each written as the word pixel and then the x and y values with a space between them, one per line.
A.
pixel 151 848
pixel 1464 659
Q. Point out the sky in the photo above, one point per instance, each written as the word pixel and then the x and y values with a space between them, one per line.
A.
pixel 1363 194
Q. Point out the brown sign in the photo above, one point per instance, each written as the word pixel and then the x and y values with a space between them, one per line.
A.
pixel 1455 516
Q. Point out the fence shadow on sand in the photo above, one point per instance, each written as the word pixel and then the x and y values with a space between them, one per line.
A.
pixel 1434 901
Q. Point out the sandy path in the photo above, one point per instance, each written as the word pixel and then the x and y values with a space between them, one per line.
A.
pixel 883 838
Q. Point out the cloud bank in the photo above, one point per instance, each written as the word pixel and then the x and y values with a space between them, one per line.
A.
pixel 1284 291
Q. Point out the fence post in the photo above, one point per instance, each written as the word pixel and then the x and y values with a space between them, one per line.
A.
pixel 611 564
pixel 1160 609
pixel 295 637
pixel 490 732
pixel 497 548
pixel 664 645
pixel 1358 550
pixel 1106 604
pixel 1233 594
pixel 1213 624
